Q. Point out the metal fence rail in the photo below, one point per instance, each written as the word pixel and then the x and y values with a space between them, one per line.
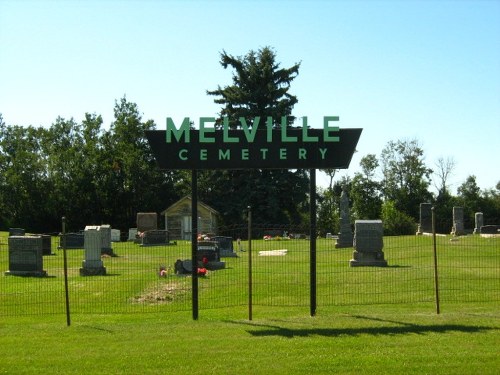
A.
pixel 469 271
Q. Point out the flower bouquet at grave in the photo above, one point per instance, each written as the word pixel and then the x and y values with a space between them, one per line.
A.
pixel 202 271
pixel 164 271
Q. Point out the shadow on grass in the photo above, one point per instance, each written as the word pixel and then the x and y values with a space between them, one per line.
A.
pixel 401 329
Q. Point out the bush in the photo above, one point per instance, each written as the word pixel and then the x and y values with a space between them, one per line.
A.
pixel 396 222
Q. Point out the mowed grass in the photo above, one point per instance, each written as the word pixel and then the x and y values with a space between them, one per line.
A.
pixel 368 320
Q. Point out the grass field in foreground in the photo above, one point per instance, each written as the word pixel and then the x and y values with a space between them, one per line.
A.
pixel 369 320
pixel 377 339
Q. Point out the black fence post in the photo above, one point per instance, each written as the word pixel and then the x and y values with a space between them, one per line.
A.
pixel 312 203
pixel 194 241
pixel 250 286
pixel 66 289
pixel 436 280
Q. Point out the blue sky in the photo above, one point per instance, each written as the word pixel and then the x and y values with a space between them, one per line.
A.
pixel 401 70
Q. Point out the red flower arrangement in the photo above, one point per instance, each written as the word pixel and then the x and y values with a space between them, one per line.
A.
pixel 202 271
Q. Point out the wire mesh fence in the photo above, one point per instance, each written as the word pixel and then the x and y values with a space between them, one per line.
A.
pixel 142 279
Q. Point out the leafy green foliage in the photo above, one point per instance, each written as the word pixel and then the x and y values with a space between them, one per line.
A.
pixel 396 222
pixel 81 171
pixel 406 178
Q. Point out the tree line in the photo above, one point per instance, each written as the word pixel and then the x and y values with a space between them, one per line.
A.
pixel 94 175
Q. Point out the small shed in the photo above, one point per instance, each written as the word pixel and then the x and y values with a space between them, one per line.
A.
pixel 178 219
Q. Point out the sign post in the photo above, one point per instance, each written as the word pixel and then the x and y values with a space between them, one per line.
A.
pixel 256 144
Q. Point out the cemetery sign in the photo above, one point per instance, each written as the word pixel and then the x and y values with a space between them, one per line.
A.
pixel 259 145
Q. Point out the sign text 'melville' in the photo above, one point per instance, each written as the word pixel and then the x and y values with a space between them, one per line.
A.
pixel 206 133
pixel 263 143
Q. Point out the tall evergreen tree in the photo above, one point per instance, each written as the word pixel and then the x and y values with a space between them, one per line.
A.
pixel 260 88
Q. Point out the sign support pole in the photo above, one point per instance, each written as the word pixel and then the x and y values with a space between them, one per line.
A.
pixel 312 240
pixel 194 241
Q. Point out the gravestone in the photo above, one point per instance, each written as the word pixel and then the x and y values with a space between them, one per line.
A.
pixel 26 256
pixel 155 238
pixel 115 235
pixel 73 240
pixel 147 221
pixel 345 234
pixel 490 229
pixel 105 231
pixel 17 232
pixel 208 255
pixel 225 246
pixel 92 264
pixel 458 221
pixel 132 234
pixel 479 221
pixel 425 225
pixel 46 244
pixel 368 244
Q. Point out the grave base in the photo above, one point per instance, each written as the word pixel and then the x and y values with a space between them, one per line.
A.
pixel 343 244
pixel 26 273
pixel 107 251
pixel 99 271
pixel 373 259
pixel 185 266
pixel 154 244
pixel 374 263
pixel 228 254
pixel 212 265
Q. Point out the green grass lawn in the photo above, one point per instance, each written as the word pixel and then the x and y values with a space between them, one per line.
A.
pixel 369 320
pixel 377 339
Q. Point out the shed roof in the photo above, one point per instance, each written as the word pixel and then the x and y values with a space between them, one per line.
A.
pixel 183 200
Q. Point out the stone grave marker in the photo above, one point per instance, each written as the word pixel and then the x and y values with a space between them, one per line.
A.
pixel 425 225
pixel 155 238
pixel 26 256
pixel 147 221
pixel 46 244
pixel 17 232
pixel 115 235
pixel 479 221
pixel 73 240
pixel 225 246
pixel 132 234
pixel 345 235
pixel 458 221
pixel 105 231
pixel 92 264
pixel 208 255
pixel 490 229
pixel 368 244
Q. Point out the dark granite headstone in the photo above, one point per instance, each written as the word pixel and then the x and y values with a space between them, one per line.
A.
pixel 458 221
pixel 46 244
pixel 147 221
pixel 73 241
pixel 490 229
pixel 208 255
pixel 425 225
pixel 225 246
pixel 26 256
pixel 155 237
pixel 17 232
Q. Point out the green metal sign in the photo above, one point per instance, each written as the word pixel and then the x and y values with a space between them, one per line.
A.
pixel 260 145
